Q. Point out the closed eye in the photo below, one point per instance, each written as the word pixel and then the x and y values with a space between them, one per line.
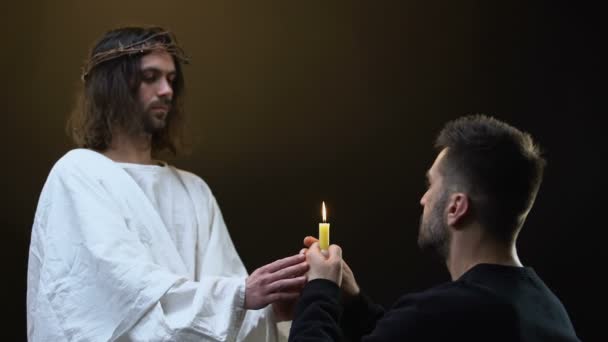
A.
pixel 149 76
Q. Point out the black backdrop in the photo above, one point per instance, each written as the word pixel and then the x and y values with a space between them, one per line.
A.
pixel 293 103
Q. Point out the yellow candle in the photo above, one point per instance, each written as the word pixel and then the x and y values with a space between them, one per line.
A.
pixel 324 231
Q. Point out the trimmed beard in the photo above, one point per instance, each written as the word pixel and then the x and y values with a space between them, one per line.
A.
pixel 149 123
pixel 433 233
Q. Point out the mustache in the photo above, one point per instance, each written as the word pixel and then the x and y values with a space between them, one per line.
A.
pixel 161 102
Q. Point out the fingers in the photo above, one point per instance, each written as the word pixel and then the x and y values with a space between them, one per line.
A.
pixel 345 266
pixel 314 247
pixel 288 285
pixel 288 272
pixel 316 253
pixel 283 263
pixel 276 296
pixel 335 252
pixel 309 240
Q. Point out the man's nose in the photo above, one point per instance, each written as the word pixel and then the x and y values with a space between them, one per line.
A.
pixel 423 199
pixel 165 89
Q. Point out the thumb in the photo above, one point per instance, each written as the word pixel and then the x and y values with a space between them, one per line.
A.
pixel 335 252
pixel 315 252
pixel 309 240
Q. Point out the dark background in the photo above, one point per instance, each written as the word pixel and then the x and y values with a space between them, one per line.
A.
pixel 297 102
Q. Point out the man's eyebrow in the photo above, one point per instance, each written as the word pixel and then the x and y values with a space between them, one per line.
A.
pixel 156 69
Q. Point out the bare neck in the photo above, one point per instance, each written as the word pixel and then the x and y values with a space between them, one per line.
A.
pixel 129 149
pixel 470 247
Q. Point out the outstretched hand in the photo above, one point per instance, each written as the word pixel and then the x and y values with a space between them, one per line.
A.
pixel 281 280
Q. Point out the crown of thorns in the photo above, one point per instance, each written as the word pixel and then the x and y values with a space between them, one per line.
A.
pixel 139 47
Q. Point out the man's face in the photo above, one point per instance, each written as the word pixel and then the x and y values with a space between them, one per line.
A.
pixel 433 233
pixel 156 89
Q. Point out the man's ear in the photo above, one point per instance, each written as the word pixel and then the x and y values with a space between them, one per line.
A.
pixel 457 208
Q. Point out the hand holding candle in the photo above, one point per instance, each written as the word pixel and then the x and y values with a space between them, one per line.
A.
pixel 324 231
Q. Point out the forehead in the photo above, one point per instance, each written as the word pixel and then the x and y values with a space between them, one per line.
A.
pixel 434 170
pixel 161 60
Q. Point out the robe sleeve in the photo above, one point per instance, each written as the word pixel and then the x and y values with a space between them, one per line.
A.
pixel 218 257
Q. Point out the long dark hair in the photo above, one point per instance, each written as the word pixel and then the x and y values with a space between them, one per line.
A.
pixel 109 100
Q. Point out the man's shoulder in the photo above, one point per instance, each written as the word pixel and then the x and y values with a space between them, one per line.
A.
pixel 191 180
pixel 80 159
pixel 456 297
pixel 452 308
pixel 79 154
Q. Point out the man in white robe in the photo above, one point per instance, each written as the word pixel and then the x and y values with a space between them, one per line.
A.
pixel 128 248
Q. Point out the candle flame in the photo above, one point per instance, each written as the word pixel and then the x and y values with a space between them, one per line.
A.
pixel 324 212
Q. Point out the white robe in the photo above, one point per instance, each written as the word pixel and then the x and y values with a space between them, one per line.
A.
pixel 103 265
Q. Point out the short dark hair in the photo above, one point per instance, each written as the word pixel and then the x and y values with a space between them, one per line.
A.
pixel 498 166
pixel 109 98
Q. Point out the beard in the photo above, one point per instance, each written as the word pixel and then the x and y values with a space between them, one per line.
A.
pixel 433 234
pixel 154 121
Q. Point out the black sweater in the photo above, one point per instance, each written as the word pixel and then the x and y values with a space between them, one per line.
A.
pixel 487 303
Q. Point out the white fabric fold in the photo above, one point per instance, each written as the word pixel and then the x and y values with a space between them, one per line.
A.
pixel 103 265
